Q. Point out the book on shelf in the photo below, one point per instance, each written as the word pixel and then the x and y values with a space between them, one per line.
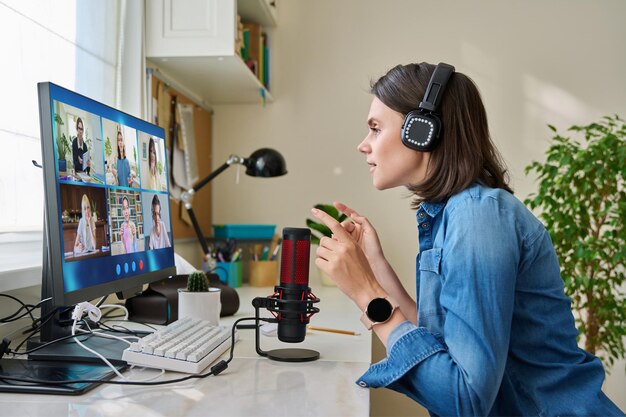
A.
pixel 252 45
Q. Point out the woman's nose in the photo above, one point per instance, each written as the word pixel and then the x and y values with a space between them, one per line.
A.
pixel 364 146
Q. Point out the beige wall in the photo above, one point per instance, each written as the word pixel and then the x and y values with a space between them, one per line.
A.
pixel 536 62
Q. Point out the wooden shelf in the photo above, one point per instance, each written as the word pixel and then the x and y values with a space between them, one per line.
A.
pixel 259 11
pixel 216 79
pixel 193 44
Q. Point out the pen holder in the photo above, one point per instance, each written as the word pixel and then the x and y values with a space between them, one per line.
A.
pixel 229 273
pixel 263 273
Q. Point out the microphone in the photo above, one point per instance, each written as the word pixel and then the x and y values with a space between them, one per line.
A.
pixel 294 284
pixel 292 301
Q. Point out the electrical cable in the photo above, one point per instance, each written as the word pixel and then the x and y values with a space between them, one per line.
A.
pixel 214 370
pixel 28 307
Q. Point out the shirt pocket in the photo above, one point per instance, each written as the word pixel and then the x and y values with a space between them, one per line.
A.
pixel 430 313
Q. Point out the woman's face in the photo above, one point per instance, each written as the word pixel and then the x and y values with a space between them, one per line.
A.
pixel 80 130
pixel 120 143
pixel 156 217
pixel 125 210
pixel 152 157
pixel 87 210
pixel 390 162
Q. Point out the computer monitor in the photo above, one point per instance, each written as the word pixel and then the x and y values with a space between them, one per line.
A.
pixel 107 224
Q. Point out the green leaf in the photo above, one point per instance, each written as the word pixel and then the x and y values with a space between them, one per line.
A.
pixel 581 199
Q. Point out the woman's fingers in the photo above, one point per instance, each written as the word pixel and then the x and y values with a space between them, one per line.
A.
pixel 338 230
pixel 344 209
pixel 351 213
pixel 323 253
pixel 348 225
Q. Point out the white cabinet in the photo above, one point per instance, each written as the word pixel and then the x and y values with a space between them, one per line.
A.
pixel 193 41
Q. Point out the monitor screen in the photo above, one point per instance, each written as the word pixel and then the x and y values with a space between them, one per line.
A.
pixel 108 226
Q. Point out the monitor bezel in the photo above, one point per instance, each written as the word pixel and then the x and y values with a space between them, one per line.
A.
pixel 52 274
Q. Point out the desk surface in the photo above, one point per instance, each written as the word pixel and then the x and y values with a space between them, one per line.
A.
pixel 251 386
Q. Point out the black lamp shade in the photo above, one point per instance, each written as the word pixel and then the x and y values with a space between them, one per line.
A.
pixel 265 162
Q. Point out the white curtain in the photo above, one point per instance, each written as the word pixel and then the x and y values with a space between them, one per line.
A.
pixel 73 43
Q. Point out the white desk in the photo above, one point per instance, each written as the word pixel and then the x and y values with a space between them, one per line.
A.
pixel 251 386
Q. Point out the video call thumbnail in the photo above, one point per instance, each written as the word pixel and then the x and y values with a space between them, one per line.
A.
pixel 156 207
pixel 152 162
pixel 78 144
pixel 84 222
pixel 120 146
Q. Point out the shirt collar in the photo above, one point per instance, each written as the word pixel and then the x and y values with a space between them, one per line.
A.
pixel 432 209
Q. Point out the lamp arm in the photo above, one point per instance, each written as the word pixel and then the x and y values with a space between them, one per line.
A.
pixel 187 196
pixel 196 226
pixel 233 159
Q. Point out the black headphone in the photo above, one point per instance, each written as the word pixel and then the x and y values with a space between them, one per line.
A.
pixel 422 127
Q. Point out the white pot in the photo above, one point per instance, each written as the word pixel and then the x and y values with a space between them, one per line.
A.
pixel 200 305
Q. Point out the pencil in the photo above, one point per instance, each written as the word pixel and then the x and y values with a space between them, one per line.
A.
pixel 325 329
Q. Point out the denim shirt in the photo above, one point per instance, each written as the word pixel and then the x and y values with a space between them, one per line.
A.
pixel 495 332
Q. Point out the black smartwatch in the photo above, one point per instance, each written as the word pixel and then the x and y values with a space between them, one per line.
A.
pixel 379 310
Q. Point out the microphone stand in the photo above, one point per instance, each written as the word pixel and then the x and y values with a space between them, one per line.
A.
pixel 275 305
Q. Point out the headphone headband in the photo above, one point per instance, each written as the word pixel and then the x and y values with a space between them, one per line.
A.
pixel 436 86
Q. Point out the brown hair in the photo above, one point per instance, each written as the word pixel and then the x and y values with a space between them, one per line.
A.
pixel 119 153
pixel 466 153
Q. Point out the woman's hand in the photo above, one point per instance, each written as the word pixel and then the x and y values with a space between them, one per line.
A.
pixel 362 231
pixel 343 260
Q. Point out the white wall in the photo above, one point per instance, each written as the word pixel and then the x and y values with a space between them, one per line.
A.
pixel 536 62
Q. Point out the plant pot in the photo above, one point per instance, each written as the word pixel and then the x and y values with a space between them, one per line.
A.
pixel 200 305
pixel 62 165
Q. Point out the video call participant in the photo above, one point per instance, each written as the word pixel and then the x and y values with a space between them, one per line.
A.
pixel 86 231
pixel 154 181
pixel 128 230
pixel 122 171
pixel 80 152
pixel 492 332
pixel 158 235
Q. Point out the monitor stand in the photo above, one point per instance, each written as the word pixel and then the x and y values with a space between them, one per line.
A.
pixel 59 325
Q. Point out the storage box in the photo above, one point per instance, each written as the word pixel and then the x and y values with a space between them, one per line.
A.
pixel 244 231
pixel 229 273
pixel 263 273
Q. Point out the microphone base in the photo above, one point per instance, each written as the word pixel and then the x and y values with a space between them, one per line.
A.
pixel 293 355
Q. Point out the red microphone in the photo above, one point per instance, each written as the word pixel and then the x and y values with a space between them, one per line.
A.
pixel 294 285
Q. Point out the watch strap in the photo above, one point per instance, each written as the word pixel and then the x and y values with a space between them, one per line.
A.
pixel 369 323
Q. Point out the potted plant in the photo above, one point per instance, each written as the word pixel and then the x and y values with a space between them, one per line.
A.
pixel 320 230
pixel 199 300
pixel 582 198
pixel 63 146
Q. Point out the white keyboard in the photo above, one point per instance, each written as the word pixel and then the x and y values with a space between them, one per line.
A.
pixel 187 345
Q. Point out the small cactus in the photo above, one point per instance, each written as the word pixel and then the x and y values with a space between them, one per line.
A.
pixel 197 282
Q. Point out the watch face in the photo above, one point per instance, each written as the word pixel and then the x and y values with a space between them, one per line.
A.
pixel 379 310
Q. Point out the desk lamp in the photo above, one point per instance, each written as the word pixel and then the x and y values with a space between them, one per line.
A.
pixel 264 162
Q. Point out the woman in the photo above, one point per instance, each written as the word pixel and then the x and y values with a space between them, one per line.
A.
pixel 492 332
pixel 80 152
pixel 154 181
pixel 124 178
pixel 158 235
pixel 128 230
pixel 85 233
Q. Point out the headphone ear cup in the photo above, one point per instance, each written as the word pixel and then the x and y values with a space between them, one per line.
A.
pixel 420 131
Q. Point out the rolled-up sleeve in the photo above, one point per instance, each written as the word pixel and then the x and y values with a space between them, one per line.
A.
pixel 460 371
pixel 408 345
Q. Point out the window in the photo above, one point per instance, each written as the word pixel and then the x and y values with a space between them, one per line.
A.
pixel 74 44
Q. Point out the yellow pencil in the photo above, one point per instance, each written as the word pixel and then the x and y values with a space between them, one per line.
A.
pixel 325 329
